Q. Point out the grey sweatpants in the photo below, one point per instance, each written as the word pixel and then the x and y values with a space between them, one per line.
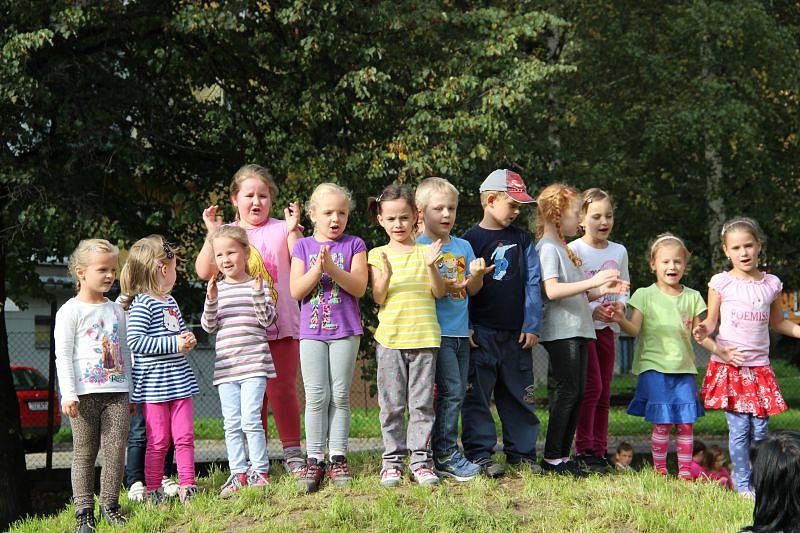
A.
pixel 327 368
pixel 405 380
pixel 103 420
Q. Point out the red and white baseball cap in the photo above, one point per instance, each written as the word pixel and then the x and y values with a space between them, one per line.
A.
pixel 508 182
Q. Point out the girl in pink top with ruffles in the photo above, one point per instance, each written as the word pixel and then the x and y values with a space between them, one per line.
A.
pixel 739 378
pixel 252 192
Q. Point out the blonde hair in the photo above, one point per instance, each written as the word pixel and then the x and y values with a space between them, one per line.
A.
pixel 550 207
pixel 429 186
pixel 253 171
pixel 742 224
pixel 497 194
pixel 140 273
pixel 80 256
pixel 327 188
pixel 592 195
pixel 235 233
pixel 667 239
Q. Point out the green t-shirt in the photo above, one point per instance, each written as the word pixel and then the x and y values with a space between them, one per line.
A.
pixel 665 340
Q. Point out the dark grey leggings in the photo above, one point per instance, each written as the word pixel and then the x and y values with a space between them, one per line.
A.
pixel 566 381
pixel 103 420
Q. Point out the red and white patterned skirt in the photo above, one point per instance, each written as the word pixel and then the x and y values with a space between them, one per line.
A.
pixel 742 389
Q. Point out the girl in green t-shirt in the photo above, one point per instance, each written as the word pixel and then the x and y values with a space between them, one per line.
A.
pixel 663 316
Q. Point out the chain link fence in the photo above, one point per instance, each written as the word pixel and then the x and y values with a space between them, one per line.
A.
pixel 30 360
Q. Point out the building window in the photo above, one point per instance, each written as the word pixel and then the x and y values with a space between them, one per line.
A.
pixel 42 332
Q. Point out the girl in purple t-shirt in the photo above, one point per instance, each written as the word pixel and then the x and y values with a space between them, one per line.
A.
pixel 329 274
pixel 739 378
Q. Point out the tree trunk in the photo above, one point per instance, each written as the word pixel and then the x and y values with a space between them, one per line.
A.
pixel 14 490
pixel 555 43
pixel 716 207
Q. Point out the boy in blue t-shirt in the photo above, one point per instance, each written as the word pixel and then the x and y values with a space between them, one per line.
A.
pixel 437 201
pixel 505 316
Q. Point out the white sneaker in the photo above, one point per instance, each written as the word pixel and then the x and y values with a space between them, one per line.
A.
pixel 170 486
pixel 425 476
pixel 137 492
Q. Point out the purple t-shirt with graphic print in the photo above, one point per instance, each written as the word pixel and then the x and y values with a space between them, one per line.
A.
pixel 328 312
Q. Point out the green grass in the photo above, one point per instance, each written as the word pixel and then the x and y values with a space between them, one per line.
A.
pixel 518 502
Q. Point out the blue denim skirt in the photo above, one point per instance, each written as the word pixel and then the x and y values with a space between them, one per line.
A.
pixel 666 398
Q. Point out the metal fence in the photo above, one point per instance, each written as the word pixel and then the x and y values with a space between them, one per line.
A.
pixel 30 359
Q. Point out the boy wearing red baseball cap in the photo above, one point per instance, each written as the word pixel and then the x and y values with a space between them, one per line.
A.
pixel 505 316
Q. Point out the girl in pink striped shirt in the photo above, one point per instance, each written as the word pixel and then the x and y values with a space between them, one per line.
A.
pixel 240 311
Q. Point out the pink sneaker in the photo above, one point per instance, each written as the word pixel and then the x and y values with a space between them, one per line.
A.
pixel 425 476
pixel 390 477
pixel 258 479
pixel 235 483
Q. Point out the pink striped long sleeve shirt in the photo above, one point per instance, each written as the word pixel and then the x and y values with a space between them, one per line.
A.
pixel 240 315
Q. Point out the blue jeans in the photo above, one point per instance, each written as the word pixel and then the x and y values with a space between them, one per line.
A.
pixel 137 446
pixel 500 367
pixel 744 430
pixel 452 368
pixel 241 403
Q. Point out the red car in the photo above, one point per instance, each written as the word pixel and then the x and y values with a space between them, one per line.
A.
pixel 32 394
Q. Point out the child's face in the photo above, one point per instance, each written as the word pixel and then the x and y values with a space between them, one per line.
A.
pixel 231 257
pixel 99 274
pixel 698 457
pixel 719 461
pixel 253 202
pixel 742 249
pixel 330 216
pixel 599 219
pixel 168 275
pixel 398 219
pixel 503 209
pixel 669 264
pixel 440 213
pixel 570 219
pixel 625 457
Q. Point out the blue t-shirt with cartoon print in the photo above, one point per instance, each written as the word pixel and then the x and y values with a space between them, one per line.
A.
pixel 511 296
pixel 452 310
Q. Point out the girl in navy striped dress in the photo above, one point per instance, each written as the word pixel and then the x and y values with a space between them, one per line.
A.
pixel 163 381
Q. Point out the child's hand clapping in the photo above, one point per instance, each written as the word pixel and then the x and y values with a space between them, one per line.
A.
pixel 603 312
pixel 618 314
pixel 453 286
pixel 292 216
pixel 433 253
pixel 258 283
pixel 477 267
pixel 211 291
pixel 210 218
pixel 386 270
pixel 322 259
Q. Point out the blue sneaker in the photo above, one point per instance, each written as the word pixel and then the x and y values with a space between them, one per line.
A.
pixel 457 467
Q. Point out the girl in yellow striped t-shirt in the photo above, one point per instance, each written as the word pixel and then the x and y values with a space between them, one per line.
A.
pixel 405 281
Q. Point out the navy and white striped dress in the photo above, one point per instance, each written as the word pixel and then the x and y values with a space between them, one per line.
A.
pixel 160 372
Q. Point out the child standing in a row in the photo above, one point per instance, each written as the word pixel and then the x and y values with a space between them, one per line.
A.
pixel 163 381
pixel 505 316
pixel 437 201
pixel 94 377
pixel 405 283
pixel 240 311
pixel 252 193
pixel 597 253
pixel 739 378
pixel 329 275
pixel 663 315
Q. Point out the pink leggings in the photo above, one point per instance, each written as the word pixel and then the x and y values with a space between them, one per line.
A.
pixel 282 391
pixel 168 422
pixel 660 443
pixel 592 432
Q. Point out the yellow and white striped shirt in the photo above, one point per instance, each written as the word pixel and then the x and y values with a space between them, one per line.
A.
pixel 407 318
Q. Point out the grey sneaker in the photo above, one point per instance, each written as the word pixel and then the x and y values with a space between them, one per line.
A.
pixel 294 462
pixel 489 467
pixel 157 497
pixel 390 477
pixel 188 493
